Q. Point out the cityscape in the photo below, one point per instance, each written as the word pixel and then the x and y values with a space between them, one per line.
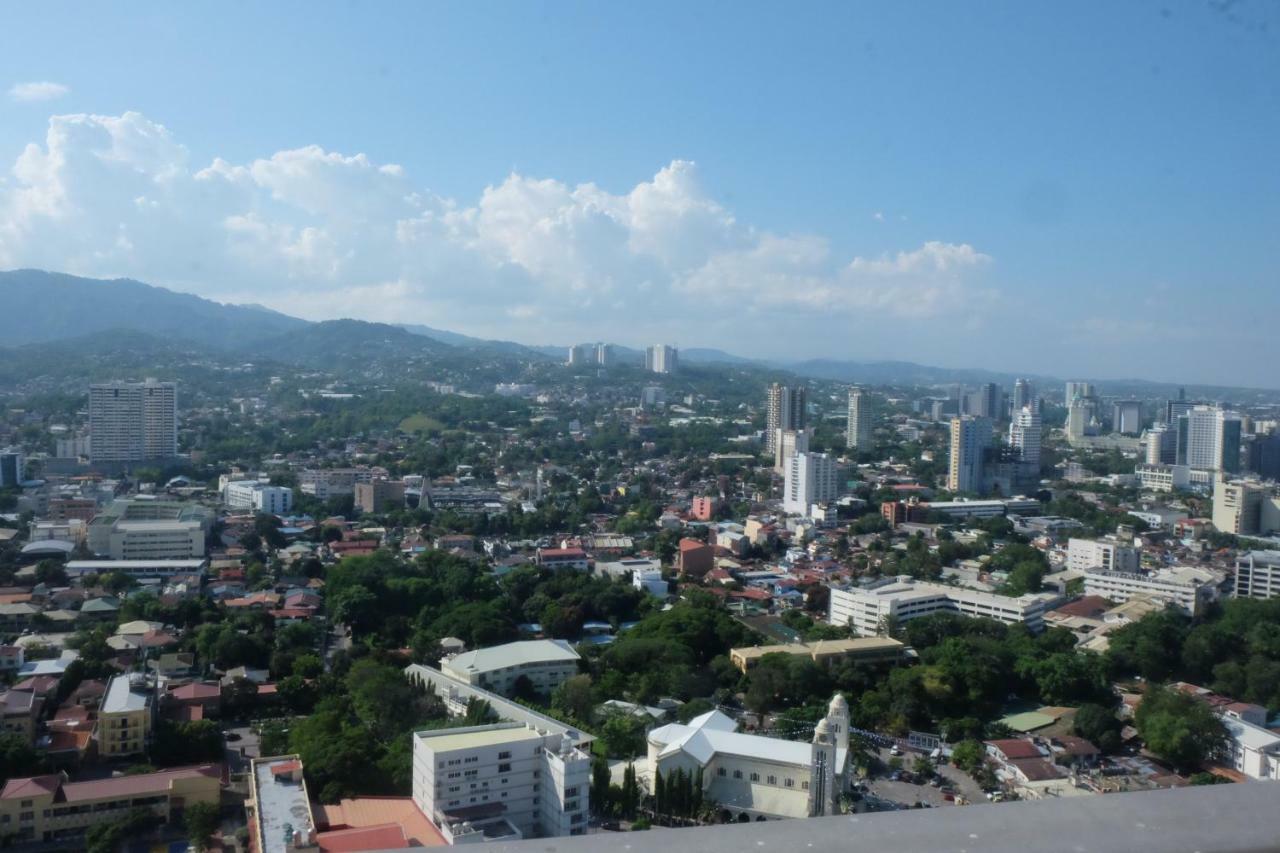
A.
pixel 701 510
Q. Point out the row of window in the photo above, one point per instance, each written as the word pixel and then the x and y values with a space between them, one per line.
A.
pixel 787 782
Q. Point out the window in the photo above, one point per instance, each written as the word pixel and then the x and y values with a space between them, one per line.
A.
pixel 504 768
pixel 502 755
pixel 773 780
pixel 755 777
pixel 791 783
pixel 737 774
pixel 571 792
pixel 720 772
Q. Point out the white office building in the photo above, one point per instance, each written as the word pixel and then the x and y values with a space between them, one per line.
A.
pixel 869 610
pixel 324 483
pixel 1024 434
pixel 150 530
pixel 504 781
pixel 258 496
pixel 133 422
pixel 1109 554
pixel 786 444
pixel 810 479
pixel 1209 439
pixel 858 431
pixel 1161 445
pixel 1188 587
pixel 1245 507
pixel 1258 574
pixel 1126 417
pixel 546 663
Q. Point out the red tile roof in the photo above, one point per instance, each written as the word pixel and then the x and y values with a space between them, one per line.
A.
pixel 30 787
pixel 388 836
pixel 1014 748
pixel 133 786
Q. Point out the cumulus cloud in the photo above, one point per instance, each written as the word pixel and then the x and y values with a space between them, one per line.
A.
pixel 41 90
pixel 324 234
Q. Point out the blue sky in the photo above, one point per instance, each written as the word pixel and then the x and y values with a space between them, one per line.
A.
pixel 1088 189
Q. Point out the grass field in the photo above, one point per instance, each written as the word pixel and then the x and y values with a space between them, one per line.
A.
pixel 419 423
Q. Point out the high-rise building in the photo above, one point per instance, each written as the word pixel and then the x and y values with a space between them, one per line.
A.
pixel 133 422
pixel 1082 417
pixel 1174 409
pixel 1209 439
pixel 1024 435
pixel 11 468
pixel 810 479
pixel 787 443
pixel 1078 390
pixel 580 354
pixel 858 432
pixel 785 410
pixel 1245 507
pixel 1264 456
pixel 604 354
pixel 661 358
pixel 970 447
pixel 984 402
pixel 1023 396
pixel 1162 445
pixel 1126 417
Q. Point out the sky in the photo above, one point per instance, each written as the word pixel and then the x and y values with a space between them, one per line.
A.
pixel 1087 189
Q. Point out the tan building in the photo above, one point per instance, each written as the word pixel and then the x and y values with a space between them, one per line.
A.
pixel 825 652
pixel 379 495
pixel 20 709
pixel 124 720
pixel 51 809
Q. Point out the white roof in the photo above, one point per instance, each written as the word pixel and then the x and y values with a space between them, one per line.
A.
pixel 121 697
pixel 1250 736
pixel 713 733
pixel 511 654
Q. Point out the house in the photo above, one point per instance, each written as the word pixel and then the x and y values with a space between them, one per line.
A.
pixel 19 711
pixel 563 558
pixel 203 694
pixel 694 559
pixel 125 717
pixel 11 659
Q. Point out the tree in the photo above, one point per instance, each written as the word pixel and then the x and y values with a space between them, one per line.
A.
pixel 1180 728
pixel 968 755
pixel 623 735
pixel 1099 725
pixel 175 744
pixel 17 758
pixel 574 697
pixel 600 792
pixel 201 822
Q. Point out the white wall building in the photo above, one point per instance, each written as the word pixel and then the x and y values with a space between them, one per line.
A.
pixel 1024 434
pixel 1158 477
pixel 1188 587
pixel 259 496
pixel 661 358
pixel 810 479
pixel 786 444
pixel 896 600
pixel 1258 574
pixel 1106 554
pixel 546 663
pixel 970 444
pixel 501 781
pixel 858 431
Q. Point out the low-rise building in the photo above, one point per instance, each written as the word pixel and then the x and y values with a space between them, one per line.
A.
pixel 258 496
pixel 126 716
pixel 870 609
pixel 860 649
pixel 1188 587
pixel 563 558
pixel 379 495
pixel 545 663
pixel 1258 574
pixel 1108 554
pixel 49 809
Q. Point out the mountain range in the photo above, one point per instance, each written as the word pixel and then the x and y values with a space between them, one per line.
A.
pixel 48 307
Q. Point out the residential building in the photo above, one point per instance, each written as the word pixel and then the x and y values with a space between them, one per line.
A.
pixel 649 579
pixel 1126 417
pixel 580 354
pixel 1258 574
pixel 73 448
pixel 563 558
pixel 858 431
pixel 19 712
pixel 786 444
pixel 755 777
pixel 810 479
pixel 970 448
pixel 379 495
pixel 1082 418
pixel 126 716
pixel 137 568
pixel 704 507
pixel 545 663
pixel 984 402
pixel 871 650
pixel 133 422
pixel 1188 587
pixel 259 496
pixel 11 468
pixel 1168 478
pixel 51 810
pixel 325 483
pixel 1024 435
pixel 1024 397
pixel 1245 507
pixel 871 609
pixel 604 354
pixel 501 781
pixel 1109 554
pixel 785 409
pixel 661 358
pixel 1077 390
pixel 694 558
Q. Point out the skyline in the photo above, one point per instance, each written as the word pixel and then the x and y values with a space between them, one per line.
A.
pixel 911 199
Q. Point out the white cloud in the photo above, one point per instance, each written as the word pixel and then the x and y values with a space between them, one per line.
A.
pixel 41 90
pixel 319 233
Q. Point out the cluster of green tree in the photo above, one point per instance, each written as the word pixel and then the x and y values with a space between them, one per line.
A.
pixel 1024 565
pixel 811 630
pixel 1234 649
pixel 110 836
pixel 680 795
pixel 609 800
pixel 1098 520
pixel 1180 728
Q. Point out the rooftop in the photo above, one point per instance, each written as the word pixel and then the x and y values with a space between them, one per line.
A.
pixel 512 654
pixel 282 804
pixel 123 697
pixel 474 737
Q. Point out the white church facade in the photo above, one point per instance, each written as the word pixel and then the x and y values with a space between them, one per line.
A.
pixel 759 776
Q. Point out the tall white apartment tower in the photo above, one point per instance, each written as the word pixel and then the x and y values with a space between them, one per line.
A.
pixel 661 358
pixel 133 422
pixel 1209 439
pixel 810 479
pixel 1023 396
pixel 970 441
pixel 785 410
pixel 858 433
pixel 1024 434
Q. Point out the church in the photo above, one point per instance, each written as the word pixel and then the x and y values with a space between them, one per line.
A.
pixel 756 776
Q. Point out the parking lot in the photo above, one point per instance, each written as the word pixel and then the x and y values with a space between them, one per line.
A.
pixel 884 792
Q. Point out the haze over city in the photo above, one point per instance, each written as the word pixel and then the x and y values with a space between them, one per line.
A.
pixel 948 185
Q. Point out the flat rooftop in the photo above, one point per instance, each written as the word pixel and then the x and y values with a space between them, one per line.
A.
pixel 474 737
pixel 283 806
